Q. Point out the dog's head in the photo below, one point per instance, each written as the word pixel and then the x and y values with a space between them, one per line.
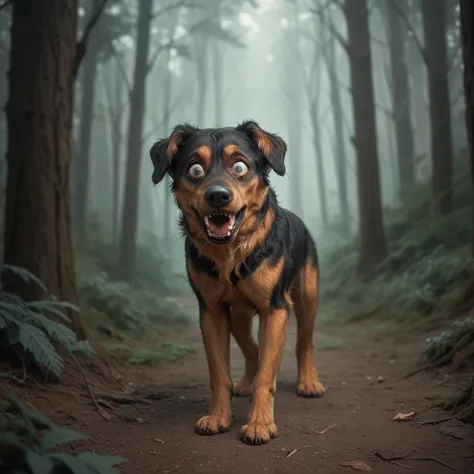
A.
pixel 220 176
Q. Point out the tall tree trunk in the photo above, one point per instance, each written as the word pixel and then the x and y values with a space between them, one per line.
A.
pixel 4 47
pixel 467 39
pixel 434 25
pixel 218 68
pixel 321 178
pixel 134 145
pixel 338 118
pixel 294 87
pixel 373 248
pixel 202 61
pixel 168 209
pixel 82 170
pixel 40 107
pixel 401 97
pixel 117 153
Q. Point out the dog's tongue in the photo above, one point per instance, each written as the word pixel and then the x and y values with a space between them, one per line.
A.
pixel 219 225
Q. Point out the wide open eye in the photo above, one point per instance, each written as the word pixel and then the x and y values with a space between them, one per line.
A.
pixel 239 168
pixel 196 171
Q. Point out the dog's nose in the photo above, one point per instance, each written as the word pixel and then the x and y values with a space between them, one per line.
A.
pixel 218 196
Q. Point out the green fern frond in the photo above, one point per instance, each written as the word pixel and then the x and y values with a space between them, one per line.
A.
pixel 25 275
pixel 30 449
pixel 56 331
pixel 35 340
pixel 48 307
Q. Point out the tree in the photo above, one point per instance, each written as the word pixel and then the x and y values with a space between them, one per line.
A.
pixel 373 247
pixel 467 39
pixel 82 170
pixel 400 90
pixel 39 120
pixel 294 86
pixel 134 143
pixel 329 54
pixel 434 25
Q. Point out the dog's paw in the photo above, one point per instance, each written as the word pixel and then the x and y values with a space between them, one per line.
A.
pixel 310 389
pixel 258 433
pixel 212 424
pixel 242 388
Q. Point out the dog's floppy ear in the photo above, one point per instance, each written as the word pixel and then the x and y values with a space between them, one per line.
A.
pixel 163 151
pixel 271 146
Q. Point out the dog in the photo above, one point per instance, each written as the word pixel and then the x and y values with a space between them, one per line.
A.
pixel 244 255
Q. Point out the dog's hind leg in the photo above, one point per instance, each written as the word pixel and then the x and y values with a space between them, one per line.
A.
pixel 305 298
pixel 241 328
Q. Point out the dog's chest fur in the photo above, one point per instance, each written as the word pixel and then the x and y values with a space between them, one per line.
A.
pixel 252 287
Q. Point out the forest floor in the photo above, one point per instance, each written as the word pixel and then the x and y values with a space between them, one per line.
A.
pixel 353 422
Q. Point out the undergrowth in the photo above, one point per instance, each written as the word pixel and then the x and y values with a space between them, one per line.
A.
pixel 27 331
pixel 29 444
pixel 455 342
pixel 114 306
pixel 429 258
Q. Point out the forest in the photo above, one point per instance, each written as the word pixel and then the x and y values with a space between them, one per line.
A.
pixel 102 366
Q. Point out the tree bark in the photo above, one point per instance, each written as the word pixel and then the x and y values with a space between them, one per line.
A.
pixel 81 188
pixel 134 145
pixel 167 94
pixel 294 87
pixel 39 119
pixel 467 39
pixel 321 177
pixel 338 118
pixel 218 68
pixel 373 248
pixel 434 25
pixel 202 61
pixel 401 97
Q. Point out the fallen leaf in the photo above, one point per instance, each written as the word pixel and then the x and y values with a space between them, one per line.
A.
pixel 356 465
pixel 404 416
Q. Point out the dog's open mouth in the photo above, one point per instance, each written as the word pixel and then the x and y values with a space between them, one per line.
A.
pixel 222 226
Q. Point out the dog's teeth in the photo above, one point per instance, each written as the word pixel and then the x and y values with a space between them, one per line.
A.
pixel 206 220
pixel 231 221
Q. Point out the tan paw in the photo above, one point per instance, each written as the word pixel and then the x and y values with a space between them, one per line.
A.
pixel 212 424
pixel 310 389
pixel 258 433
pixel 242 388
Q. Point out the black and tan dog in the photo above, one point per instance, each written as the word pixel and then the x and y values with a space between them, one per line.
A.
pixel 244 255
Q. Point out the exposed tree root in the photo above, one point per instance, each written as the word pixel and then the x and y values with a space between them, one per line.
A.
pixel 466 342
pixel 461 404
pixel 101 411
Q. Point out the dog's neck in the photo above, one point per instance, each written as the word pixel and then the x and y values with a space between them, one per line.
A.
pixel 230 258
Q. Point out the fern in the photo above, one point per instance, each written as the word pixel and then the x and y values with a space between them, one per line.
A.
pixel 27 438
pixel 26 326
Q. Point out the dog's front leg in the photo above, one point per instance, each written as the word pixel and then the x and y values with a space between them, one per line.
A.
pixel 261 427
pixel 215 326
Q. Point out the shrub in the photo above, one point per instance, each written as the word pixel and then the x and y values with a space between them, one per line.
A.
pixel 429 258
pixel 29 441
pixel 127 307
pixel 26 329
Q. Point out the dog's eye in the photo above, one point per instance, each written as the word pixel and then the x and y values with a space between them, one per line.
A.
pixel 196 171
pixel 239 168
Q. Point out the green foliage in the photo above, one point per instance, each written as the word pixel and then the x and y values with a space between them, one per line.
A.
pixel 429 259
pixel 460 332
pixel 29 441
pixel 127 307
pixel 26 327
pixel 165 352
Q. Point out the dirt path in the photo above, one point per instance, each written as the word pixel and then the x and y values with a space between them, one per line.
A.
pixel 351 420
